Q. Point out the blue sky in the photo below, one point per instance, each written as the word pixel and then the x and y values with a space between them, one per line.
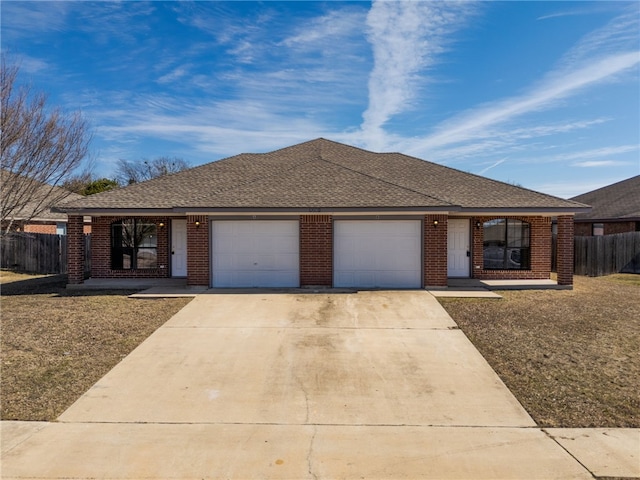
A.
pixel 542 94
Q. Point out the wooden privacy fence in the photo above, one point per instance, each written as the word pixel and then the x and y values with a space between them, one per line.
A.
pixel 38 252
pixel 607 254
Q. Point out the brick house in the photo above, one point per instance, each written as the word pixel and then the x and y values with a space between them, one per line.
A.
pixel 31 205
pixel 322 213
pixel 615 209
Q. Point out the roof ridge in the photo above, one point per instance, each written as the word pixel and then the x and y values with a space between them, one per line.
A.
pixel 383 180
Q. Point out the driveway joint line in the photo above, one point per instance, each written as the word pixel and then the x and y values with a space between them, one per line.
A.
pixel 544 430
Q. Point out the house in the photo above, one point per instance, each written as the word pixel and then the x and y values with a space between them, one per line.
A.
pixel 322 213
pixel 28 205
pixel 615 209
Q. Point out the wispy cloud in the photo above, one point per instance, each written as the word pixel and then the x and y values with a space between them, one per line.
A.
pixel 474 124
pixel 502 126
pixel 599 163
pixel 407 38
pixel 493 165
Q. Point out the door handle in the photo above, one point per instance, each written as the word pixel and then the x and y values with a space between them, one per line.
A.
pixel 468 253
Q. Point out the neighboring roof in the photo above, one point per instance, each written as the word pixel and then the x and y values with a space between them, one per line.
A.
pixel 37 196
pixel 619 201
pixel 321 174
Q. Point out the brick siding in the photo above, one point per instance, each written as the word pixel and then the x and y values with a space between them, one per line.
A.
pixel 585 229
pixel 435 251
pixel 565 250
pixel 198 262
pixel 316 250
pixel 75 251
pixel 540 251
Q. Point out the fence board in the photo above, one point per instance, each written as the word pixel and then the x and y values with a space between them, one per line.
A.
pixel 38 252
pixel 607 254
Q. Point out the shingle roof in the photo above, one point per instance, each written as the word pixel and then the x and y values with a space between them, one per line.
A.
pixel 24 196
pixel 617 201
pixel 322 174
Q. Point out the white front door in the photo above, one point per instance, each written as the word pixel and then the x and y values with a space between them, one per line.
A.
pixel 179 248
pixel 377 253
pixel 458 251
pixel 255 253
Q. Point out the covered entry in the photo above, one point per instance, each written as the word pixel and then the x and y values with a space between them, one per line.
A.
pixel 255 253
pixel 377 253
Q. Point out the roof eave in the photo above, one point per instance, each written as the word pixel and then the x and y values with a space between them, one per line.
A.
pixel 544 211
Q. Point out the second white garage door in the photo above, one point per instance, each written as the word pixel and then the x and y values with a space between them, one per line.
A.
pixel 255 253
pixel 377 253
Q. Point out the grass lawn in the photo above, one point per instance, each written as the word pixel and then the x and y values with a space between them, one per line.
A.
pixel 56 345
pixel 572 357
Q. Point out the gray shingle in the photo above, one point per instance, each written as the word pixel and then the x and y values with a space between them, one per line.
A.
pixel 617 201
pixel 321 174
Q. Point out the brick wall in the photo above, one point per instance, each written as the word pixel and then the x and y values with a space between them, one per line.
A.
pixel 47 228
pixel 198 264
pixel 585 229
pixel 316 250
pixel 101 249
pixel 540 248
pixel 75 251
pixel 435 251
pixel 565 250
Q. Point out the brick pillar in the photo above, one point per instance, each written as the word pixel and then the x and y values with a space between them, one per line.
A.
pixel 435 251
pixel 565 250
pixel 198 264
pixel 75 249
pixel 316 250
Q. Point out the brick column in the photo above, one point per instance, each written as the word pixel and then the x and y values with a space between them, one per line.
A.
pixel 316 250
pixel 75 249
pixel 565 250
pixel 198 263
pixel 435 251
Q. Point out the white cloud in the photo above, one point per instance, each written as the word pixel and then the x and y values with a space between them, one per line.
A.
pixel 474 123
pixel 493 165
pixel 599 163
pixel 407 38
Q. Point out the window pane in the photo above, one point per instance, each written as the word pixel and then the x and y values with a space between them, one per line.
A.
pixel 506 244
pixel 146 235
pixel 147 258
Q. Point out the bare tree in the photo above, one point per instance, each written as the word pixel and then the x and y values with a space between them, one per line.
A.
pixel 129 172
pixel 40 147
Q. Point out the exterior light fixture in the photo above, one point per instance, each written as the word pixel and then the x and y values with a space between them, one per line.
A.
pixel 477 224
pixel 197 224
pixel 435 223
pixel 161 224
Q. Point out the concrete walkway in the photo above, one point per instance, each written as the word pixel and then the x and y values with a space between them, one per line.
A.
pixel 372 385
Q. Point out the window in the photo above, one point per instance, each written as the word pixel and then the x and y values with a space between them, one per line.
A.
pixel 134 245
pixel 597 229
pixel 506 245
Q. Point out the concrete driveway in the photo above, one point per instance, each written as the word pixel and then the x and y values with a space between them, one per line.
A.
pixel 367 385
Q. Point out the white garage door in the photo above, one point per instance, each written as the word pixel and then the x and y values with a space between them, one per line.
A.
pixel 377 253
pixel 255 253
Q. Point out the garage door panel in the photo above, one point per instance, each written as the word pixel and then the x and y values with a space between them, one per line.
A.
pixel 380 253
pixel 258 253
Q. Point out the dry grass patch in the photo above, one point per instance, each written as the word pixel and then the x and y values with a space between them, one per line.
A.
pixel 56 345
pixel 570 357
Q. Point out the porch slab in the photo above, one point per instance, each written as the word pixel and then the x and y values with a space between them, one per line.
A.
pixel 469 284
pixel 148 287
